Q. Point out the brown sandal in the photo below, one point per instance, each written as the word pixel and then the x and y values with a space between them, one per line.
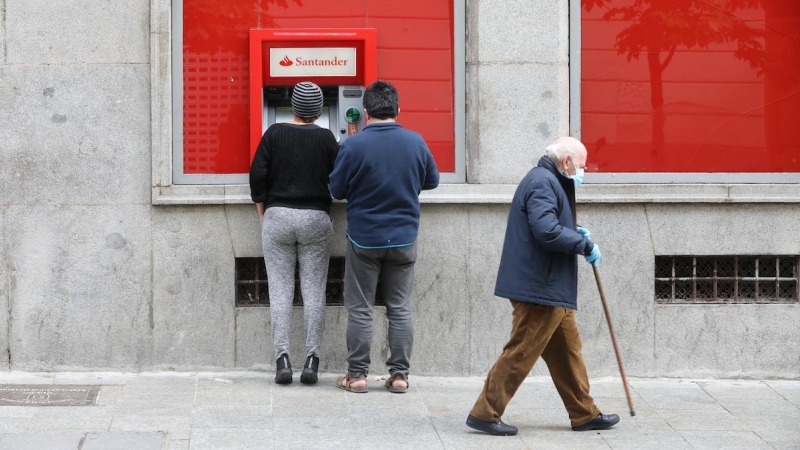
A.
pixel 346 383
pixel 399 376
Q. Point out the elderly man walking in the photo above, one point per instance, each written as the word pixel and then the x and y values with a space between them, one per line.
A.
pixel 539 275
pixel 381 172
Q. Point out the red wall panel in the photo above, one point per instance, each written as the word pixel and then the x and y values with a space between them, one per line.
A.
pixel 682 86
pixel 415 52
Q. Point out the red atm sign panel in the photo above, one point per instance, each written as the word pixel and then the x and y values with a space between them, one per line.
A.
pixel 312 62
pixel 286 62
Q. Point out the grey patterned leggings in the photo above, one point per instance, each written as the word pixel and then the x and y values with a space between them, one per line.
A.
pixel 290 236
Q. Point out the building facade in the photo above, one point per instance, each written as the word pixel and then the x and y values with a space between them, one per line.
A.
pixel 125 220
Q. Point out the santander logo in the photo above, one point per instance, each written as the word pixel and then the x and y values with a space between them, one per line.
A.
pixel 311 61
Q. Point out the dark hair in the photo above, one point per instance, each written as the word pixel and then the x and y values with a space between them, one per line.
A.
pixel 380 100
pixel 307 119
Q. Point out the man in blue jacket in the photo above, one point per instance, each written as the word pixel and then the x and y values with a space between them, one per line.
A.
pixel 381 172
pixel 539 274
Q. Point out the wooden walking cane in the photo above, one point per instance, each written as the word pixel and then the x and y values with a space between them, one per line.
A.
pixel 613 338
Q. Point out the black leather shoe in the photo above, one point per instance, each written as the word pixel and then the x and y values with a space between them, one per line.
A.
pixel 283 370
pixel 493 428
pixel 601 422
pixel 309 375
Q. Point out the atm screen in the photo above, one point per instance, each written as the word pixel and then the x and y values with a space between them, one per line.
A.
pixel 283 114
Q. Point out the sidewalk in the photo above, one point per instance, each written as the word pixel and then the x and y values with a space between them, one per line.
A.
pixel 242 411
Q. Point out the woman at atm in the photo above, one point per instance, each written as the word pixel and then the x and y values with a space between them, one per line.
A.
pixel 289 185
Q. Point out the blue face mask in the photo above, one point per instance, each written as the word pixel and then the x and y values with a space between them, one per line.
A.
pixel 578 177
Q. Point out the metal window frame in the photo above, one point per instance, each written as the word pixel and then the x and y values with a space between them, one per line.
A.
pixel 645 177
pixel 459 96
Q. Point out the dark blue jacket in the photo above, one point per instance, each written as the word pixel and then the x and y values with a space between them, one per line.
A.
pixel 381 171
pixel 539 263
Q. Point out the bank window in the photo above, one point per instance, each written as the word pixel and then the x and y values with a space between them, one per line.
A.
pixel 677 90
pixel 419 50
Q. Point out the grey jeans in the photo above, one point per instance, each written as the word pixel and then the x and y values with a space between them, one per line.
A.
pixel 394 268
pixel 290 236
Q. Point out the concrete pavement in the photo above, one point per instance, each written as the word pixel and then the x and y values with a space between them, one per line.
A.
pixel 245 410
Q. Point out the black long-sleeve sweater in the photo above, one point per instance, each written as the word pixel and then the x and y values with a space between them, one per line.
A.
pixel 291 167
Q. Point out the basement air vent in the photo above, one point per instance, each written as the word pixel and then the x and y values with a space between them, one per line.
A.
pixel 252 287
pixel 726 279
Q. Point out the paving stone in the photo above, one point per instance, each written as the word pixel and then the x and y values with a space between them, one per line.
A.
pixel 713 420
pixel 236 391
pixel 545 439
pixel 163 393
pixel 775 427
pixel 97 418
pixel 232 417
pixel 315 432
pixel 178 444
pixel 123 441
pixel 646 439
pixel 27 378
pixel 17 411
pixel 784 444
pixel 466 439
pixel 109 395
pixel 790 390
pixel 41 441
pixel 682 398
pixel 230 439
pixel 427 439
pixel 177 422
pixel 744 415
pixel 14 424
pixel 101 378
pixel 726 440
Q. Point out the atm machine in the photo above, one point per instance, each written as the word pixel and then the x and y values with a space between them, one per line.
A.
pixel 341 61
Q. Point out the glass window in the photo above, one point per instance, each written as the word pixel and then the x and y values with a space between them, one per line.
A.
pixel 415 52
pixel 690 86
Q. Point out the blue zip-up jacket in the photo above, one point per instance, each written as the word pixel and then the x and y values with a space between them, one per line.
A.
pixel 380 172
pixel 539 263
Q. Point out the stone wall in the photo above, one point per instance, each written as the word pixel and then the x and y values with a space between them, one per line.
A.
pixel 93 276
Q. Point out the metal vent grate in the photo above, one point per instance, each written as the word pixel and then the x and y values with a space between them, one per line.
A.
pixel 726 279
pixel 252 288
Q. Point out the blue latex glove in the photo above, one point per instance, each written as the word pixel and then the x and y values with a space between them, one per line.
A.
pixel 585 232
pixel 594 257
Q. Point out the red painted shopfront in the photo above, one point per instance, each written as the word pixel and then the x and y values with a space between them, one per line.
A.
pixel 414 52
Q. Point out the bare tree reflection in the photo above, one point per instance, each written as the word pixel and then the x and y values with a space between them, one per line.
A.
pixel 659 27
pixel 214 28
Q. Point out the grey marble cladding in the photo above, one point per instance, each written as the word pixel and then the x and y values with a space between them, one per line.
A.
pixel 74 135
pixel 540 32
pixel 4 293
pixel 193 288
pixel 730 341
pixel 512 127
pixel 80 287
pixel 78 31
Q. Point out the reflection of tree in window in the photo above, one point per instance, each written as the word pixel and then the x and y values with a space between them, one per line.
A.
pixel 216 80
pixel 218 24
pixel 659 27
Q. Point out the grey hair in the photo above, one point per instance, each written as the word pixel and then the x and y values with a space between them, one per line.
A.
pixel 564 146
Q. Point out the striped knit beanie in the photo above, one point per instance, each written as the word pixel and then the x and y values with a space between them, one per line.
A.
pixel 307 100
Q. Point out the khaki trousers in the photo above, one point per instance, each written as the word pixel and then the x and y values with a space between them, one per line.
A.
pixel 549 332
